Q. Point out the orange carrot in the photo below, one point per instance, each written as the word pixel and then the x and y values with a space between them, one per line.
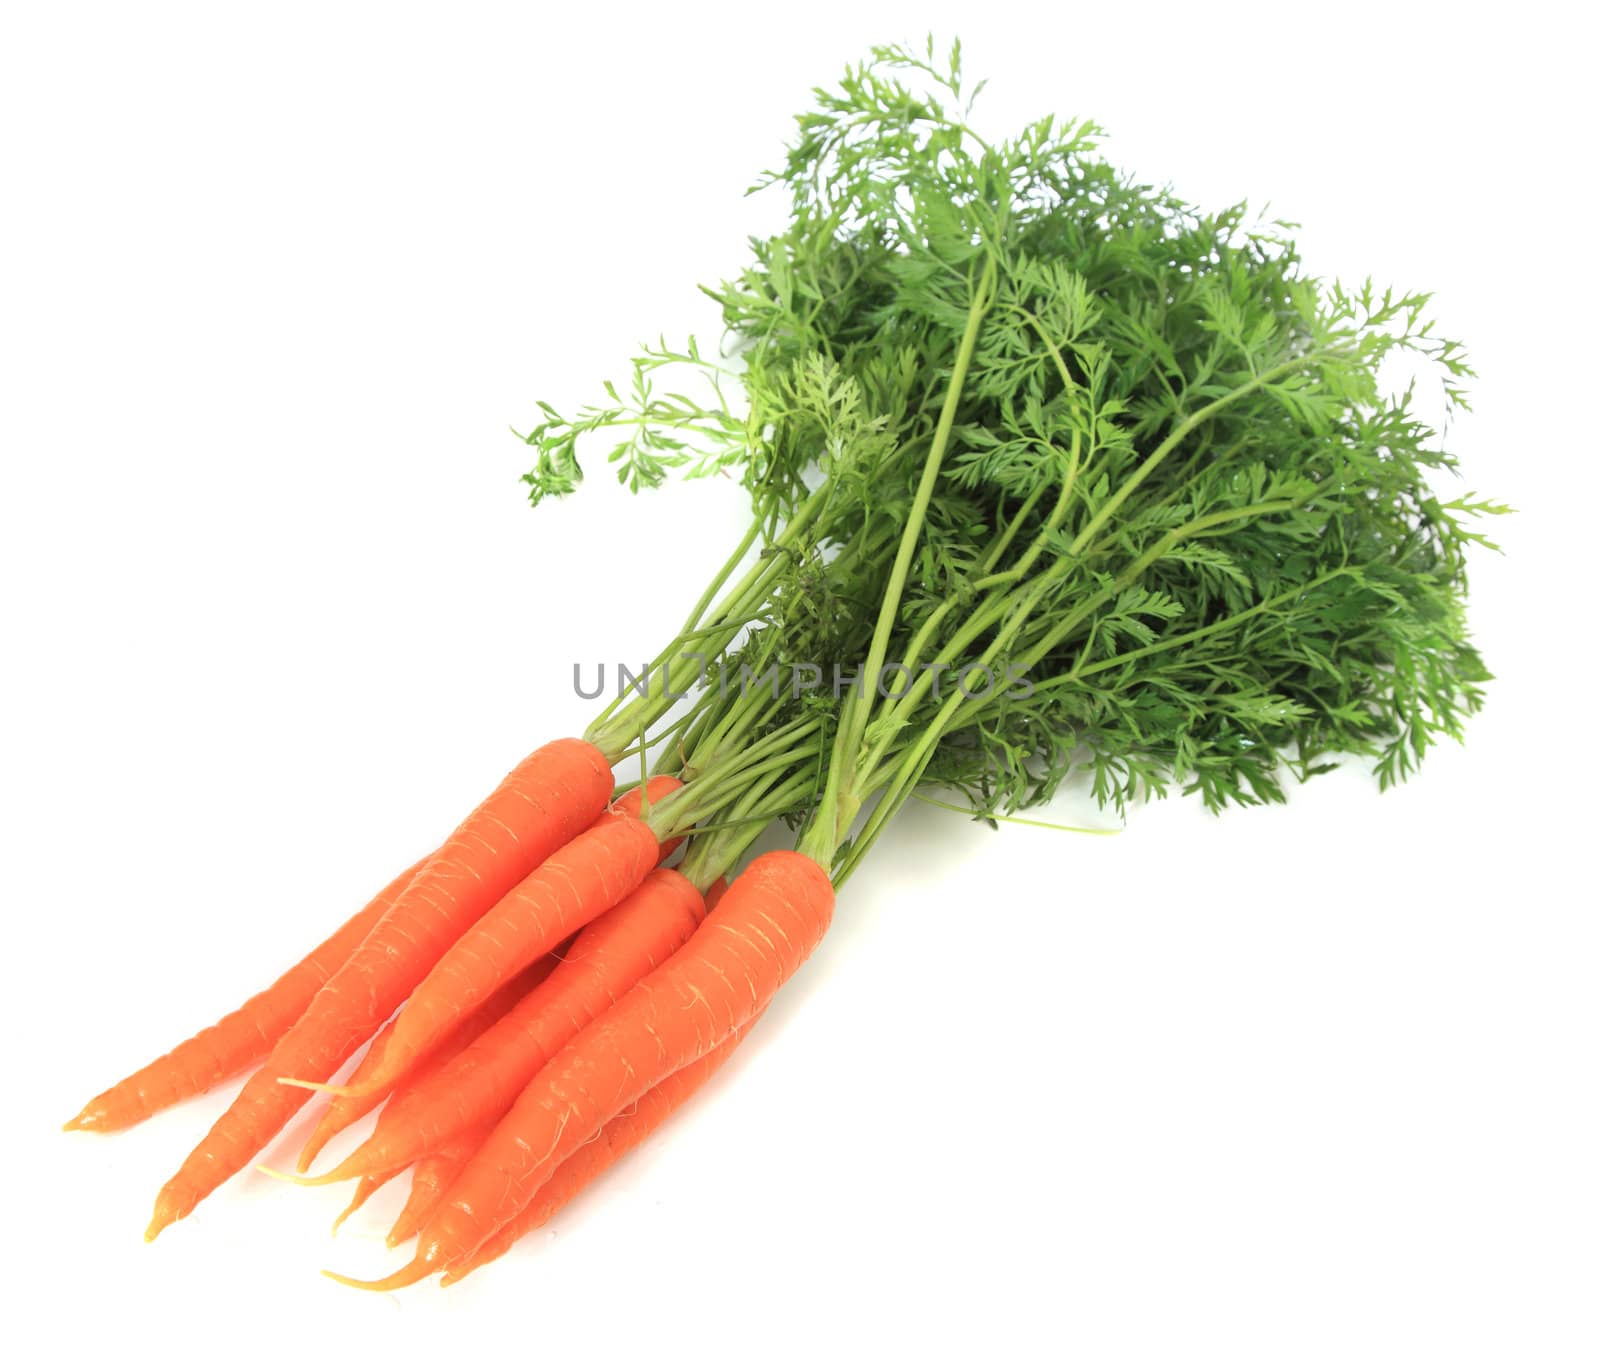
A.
pixel 765 927
pixel 580 881
pixel 364 1190
pixel 470 1028
pixel 543 803
pixel 715 891
pixel 431 1178
pixel 431 1188
pixel 348 1110
pixel 629 1128
pixel 240 1039
pixel 607 958
pixel 343 1112
pixel 632 802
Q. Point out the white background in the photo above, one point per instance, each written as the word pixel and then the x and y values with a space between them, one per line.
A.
pixel 276 614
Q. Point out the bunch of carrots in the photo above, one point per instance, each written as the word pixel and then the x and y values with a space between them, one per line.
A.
pixel 1004 411
pixel 521 1064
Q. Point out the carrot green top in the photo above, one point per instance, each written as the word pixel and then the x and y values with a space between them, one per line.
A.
pixel 1051 470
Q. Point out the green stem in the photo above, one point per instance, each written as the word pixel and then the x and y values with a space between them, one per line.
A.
pixel 984 616
pixel 701 606
pixel 711 856
pixel 1021 568
pixel 1176 437
pixel 1192 635
pixel 1062 629
pixel 708 792
pixel 839 797
pixel 742 713
pixel 614 732
pixel 930 626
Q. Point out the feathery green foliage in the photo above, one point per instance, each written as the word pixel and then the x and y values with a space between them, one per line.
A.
pixel 1015 409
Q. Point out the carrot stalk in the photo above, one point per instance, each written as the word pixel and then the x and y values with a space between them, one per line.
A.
pixel 607 958
pixel 238 1040
pixel 582 880
pixel 630 1128
pixel 543 803
pixel 766 925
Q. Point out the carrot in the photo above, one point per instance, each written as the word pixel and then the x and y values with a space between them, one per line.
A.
pixel 629 1128
pixel 715 891
pixel 544 802
pixel 343 1112
pixel 348 1110
pixel 482 1018
pixel 632 802
pixel 240 1039
pixel 580 881
pixel 485 1015
pixel 431 1178
pixel 607 958
pixel 763 929
pixel 364 1190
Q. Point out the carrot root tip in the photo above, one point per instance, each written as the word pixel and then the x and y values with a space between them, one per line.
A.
pixel 299 1180
pixel 362 1089
pixel 411 1273
pixel 345 1215
pixel 315 1086
pixel 364 1189
pixel 405 1227
pixel 172 1204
